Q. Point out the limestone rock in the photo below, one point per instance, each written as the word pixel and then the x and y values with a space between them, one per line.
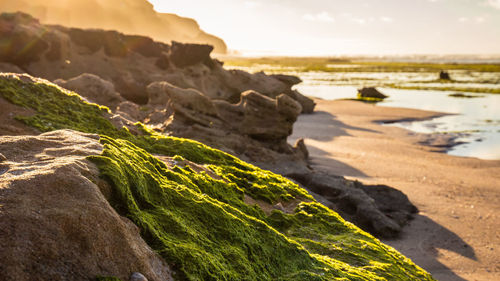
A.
pixel 131 111
pixel 380 210
pixel 11 68
pixel 306 103
pixel 26 40
pixel 56 223
pixel 93 88
pixel 183 55
pixel 266 118
pixel 290 80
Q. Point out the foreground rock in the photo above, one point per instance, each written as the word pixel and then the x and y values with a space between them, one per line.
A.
pixel 56 223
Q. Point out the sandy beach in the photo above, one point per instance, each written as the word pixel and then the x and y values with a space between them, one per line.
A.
pixel 456 235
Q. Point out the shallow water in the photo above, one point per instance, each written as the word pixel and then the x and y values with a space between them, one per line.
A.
pixel 475 121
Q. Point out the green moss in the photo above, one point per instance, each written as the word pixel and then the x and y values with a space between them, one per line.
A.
pixel 200 224
pixel 203 227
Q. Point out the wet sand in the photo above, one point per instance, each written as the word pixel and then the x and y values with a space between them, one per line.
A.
pixel 456 235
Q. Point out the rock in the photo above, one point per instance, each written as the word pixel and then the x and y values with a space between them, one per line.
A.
pixel 443 75
pixel 255 128
pixel 56 212
pixel 380 210
pixel 260 117
pixel 136 276
pixel 183 55
pixel 301 147
pixel 25 44
pixel 163 62
pixel 306 103
pixel 465 96
pixel 11 68
pixel 131 111
pixel 289 80
pixel 188 105
pixel 93 88
pixel 370 92
pixel 392 202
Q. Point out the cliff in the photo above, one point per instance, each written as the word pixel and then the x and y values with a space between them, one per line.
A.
pixel 128 16
pixel 72 203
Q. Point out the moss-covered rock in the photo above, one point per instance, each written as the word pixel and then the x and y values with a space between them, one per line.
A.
pixel 201 223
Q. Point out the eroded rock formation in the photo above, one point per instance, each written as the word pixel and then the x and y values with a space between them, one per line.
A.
pixel 130 62
pixel 55 220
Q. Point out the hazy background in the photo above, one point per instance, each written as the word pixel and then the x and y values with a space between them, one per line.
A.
pixel 339 27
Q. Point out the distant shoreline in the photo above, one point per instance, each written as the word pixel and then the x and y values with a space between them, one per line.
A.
pixel 430 58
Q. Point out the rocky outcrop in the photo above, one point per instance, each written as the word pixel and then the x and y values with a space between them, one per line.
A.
pixel 130 62
pixel 378 209
pixel 56 222
pixel 202 214
pixel 183 55
pixel 256 128
pixel 129 16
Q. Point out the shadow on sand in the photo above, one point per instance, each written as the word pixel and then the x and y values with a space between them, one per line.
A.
pixel 420 241
pixel 323 160
pixel 322 126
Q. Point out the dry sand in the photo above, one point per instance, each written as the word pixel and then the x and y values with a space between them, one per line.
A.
pixel 456 235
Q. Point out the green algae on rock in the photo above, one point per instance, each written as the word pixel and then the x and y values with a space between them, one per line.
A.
pixel 202 225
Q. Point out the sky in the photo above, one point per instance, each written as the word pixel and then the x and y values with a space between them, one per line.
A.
pixel 341 27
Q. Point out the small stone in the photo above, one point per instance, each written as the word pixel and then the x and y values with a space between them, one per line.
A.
pixel 279 206
pixel 2 157
pixel 136 276
pixel 443 75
